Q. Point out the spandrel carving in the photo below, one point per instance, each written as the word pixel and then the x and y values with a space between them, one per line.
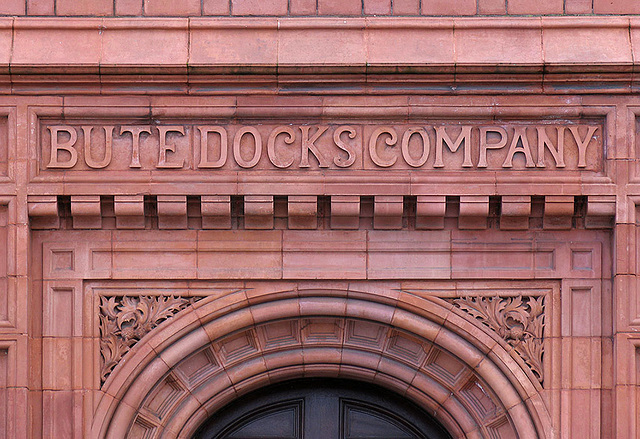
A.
pixel 518 320
pixel 124 320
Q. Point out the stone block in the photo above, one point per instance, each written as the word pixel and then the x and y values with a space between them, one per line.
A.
pixel 345 212
pixel 129 211
pixel 259 7
pixel 387 211
pixel 430 211
pixel 129 7
pixel 446 7
pixel 216 211
pixel 492 7
pixel 86 212
pixel 215 7
pixel 525 7
pixel 41 7
pixel 88 7
pixel 558 211
pixel 616 7
pixel 172 212
pixel 170 7
pixel 578 6
pixel 406 7
pixel 303 7
pixel 303 211
pixel 601 211
pixel 515 212
pixel 377 7
pixel 474 211
pixel 258 212
pixel 43 211
pixel 339 7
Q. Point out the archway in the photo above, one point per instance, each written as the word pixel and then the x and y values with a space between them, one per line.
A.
pixel 222 348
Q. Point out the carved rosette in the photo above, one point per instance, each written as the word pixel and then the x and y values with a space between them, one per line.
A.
pixel 124 320
pixel 518 320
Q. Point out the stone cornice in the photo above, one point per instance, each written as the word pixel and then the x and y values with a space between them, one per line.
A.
pixel 270 45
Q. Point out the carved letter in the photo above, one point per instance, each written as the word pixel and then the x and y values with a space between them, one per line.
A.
pixel 582 144
pixel 257 152
pixel 67 146
pixel 271 145
pixel 485 145
pixel 543 140
pixel 373 143
pixel 204 147
pixel 519 133
pixel 442 137
pixel 426 147
pixel 108 137
pixel 308 145
pixel 135 146
pixel 351 157
pixel 162 159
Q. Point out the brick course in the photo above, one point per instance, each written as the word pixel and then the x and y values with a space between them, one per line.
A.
pixel 195 8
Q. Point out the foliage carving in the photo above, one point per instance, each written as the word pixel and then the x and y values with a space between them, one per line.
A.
pixel 124 320
pixel 518 320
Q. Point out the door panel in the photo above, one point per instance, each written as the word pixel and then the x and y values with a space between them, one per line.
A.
pixel 278 422
pixel 362 422
pixel 321 409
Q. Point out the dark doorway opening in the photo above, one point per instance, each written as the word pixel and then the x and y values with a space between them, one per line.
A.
pixel 322 409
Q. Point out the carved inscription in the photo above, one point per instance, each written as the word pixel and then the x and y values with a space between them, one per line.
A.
pixel 124 320
pixel 417 146
pixel 518 320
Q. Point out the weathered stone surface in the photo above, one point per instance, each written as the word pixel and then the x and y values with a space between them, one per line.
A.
pixel 443 205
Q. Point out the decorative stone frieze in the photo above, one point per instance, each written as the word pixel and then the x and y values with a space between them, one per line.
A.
pixel 390 212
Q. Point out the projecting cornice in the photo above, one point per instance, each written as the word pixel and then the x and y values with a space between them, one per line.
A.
pixel 434 54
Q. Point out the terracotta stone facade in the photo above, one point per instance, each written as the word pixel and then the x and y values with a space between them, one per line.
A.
pixel 199 199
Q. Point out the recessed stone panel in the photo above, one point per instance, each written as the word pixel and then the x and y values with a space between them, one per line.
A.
pixel 199 366
pixel 322 330
pixel 164 396
pixel 236 346
pixel 5 256
pixel 117 148
pixel 5 142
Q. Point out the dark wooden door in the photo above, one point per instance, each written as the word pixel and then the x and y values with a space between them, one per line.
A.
pixel 321 409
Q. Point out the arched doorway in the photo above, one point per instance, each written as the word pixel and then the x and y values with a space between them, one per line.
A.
pixel 220 349
pixel 321 409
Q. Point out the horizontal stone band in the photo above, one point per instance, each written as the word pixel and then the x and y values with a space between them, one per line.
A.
pixel 106 45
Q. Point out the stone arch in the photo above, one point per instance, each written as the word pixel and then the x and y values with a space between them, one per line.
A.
pixel 222 347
